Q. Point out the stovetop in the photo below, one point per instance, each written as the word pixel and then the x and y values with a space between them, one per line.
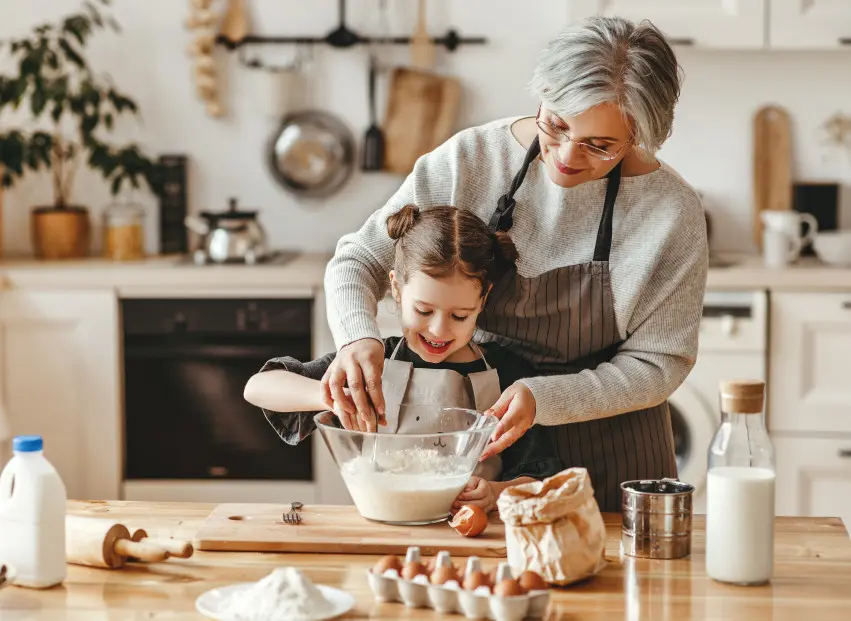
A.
pixel 276 257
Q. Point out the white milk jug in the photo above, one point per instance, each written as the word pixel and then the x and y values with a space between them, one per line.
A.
pixel 32 516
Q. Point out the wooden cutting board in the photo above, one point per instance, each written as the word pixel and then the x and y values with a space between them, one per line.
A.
pixel 335 530
pixel 772 173
pixel 421 115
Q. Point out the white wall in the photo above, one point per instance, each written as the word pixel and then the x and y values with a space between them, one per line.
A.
pixel 711 145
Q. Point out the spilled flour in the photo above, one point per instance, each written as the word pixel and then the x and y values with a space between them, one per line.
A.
pixel 283 594
pixel 409 485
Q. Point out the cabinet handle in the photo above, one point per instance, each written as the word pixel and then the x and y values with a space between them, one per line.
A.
pixel 845 41
pixel 846 305
pixel 690 42
pixel 845 453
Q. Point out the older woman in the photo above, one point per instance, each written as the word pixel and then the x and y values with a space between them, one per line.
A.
pixel 606 298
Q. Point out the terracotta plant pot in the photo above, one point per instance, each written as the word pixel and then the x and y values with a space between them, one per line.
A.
pixel 60 232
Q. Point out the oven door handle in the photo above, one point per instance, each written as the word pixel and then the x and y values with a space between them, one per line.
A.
pixel 260 352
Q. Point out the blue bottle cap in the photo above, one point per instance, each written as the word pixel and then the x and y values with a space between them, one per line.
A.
pixel 27 444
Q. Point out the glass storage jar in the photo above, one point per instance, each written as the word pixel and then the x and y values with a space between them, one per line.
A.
pixel 123 232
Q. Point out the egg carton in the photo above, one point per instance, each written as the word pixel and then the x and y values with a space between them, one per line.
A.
pixel 451 598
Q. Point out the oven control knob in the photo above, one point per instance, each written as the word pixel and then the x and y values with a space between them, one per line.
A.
pixel 178 322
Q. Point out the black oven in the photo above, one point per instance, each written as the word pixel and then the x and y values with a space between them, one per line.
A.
pixel 186 362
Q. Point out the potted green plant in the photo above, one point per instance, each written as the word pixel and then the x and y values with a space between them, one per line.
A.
pixel 69 110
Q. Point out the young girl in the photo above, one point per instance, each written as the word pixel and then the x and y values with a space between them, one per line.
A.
pixel 446 261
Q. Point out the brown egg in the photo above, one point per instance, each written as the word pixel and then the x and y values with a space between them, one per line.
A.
pixel 476 579
pixel 532 581
pixel 388 562
pixel 442 575
pixel 470 521
pixel 509 588
pixel 413 569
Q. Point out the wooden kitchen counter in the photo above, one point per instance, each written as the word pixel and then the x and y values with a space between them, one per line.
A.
pixel 812 578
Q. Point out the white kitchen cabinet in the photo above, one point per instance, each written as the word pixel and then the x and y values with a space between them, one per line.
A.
pixel 813 477
pixel 810 24
pixel 60 378
pixel 732 24
pixel 810 362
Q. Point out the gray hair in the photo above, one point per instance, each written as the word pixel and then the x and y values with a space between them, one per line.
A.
pixel 610 59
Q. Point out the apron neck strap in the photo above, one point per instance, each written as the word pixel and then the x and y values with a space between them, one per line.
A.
pixel 502 219
pixel 478 350
pixel 396 349
pixel 603 247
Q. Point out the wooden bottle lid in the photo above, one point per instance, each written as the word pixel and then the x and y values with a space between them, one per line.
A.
pixel 742 396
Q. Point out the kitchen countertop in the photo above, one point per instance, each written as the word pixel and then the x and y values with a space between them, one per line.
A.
pixel 807 274
pixel 305 272
pixel 812 578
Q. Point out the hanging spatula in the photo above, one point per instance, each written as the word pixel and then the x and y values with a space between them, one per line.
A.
pixel 373 141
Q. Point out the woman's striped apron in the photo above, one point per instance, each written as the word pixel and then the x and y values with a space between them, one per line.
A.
pixel 563 321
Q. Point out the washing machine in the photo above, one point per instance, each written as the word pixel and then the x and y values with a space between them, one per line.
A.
pixel 732 345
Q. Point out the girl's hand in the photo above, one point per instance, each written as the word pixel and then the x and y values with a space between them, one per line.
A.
pixel 357 366
pixel 479 492
pixel 516 410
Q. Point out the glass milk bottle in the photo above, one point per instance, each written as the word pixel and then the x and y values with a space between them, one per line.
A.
pixel 740 489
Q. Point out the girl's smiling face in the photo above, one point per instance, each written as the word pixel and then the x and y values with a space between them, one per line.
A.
pixel 438 314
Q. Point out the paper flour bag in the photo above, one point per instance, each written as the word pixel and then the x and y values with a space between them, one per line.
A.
pixel 554 527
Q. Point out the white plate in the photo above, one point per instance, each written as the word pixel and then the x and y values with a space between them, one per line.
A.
pixel 209 603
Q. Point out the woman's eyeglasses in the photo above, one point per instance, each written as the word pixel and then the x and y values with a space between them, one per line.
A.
pixel 560 134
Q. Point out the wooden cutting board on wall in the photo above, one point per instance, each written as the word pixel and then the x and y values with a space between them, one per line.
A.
pixel 335 530
pixel 421 114
pixel 772 173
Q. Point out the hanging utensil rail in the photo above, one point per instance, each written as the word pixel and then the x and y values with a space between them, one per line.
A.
pixel 344 37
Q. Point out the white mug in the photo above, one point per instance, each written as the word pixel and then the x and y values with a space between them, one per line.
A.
pixel 779 248
pixel 787 224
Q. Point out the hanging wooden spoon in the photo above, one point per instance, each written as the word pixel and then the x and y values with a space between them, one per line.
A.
pixel 235 23
pixel 422 49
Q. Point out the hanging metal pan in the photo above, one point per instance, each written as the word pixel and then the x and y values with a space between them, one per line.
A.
pixel 312 154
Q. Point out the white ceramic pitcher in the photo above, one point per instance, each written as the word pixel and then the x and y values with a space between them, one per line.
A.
pixel 781 236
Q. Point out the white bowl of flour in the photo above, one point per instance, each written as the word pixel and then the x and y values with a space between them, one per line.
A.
pixel 409 479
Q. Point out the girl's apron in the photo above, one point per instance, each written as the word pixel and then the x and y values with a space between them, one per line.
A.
pixel 563 321
pixel 413 398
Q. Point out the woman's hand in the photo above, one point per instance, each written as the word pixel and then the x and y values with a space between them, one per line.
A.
pixel 348 416
pixel 516 410
pixel 479 492
pixel 357 366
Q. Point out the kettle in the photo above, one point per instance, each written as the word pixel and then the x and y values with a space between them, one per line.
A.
pixel 229 236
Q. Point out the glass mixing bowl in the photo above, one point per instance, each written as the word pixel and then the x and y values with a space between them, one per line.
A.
pixel 409 479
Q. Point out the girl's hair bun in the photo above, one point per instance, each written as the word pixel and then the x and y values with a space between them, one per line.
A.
pixel 402 221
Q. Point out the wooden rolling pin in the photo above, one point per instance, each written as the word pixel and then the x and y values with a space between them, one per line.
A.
pixel 174 547
pixel 97 542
